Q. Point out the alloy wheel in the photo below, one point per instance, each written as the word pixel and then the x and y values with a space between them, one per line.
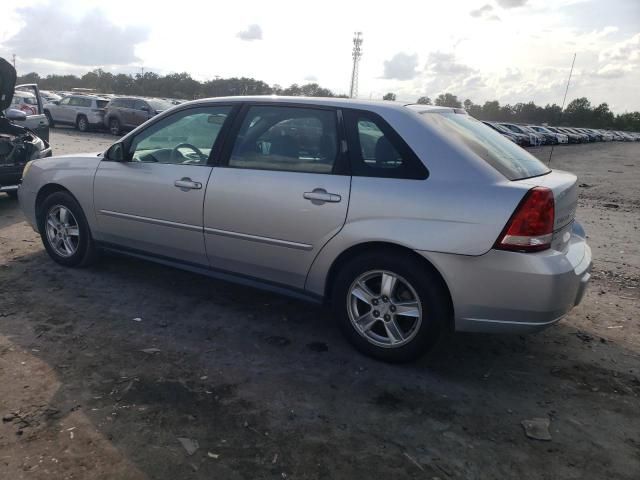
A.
pixel 62 230
pixel 384 308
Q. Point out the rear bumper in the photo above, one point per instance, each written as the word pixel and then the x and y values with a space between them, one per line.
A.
pixel 512 292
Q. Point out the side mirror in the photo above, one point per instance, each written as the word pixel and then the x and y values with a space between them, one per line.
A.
pixel 16 115
pixel 116 153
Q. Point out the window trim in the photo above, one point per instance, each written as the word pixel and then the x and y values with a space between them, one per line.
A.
pixel 340 166
pixel 412 167
pixel 216 148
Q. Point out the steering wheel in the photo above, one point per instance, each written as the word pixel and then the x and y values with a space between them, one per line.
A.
pixel 175 151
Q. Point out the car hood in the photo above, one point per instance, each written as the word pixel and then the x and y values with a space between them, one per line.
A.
pixel 7 83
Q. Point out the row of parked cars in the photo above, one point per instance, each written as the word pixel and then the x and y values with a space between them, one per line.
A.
pixel 89 111
pixel 536 135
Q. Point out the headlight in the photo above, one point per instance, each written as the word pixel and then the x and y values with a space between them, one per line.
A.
pixel 27 166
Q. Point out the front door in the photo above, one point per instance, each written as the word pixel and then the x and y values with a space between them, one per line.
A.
pixel 153 201
pixel 279 196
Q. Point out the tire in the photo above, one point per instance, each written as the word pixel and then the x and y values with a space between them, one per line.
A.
pixel 49 118
pixel 114 126
pixel 417 334
pixel 82 123
pixel 81 250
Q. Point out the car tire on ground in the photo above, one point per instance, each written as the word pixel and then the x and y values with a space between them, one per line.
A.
pixel 82 123
pixel 64 231
pixel 49 118
pixel 389 306
pixel 114 126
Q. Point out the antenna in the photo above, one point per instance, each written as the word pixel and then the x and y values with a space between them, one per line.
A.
pixel 566 90
pixel 356 54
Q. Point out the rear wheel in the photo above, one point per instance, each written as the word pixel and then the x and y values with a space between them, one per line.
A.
pixel 64 230
pixel 82 123
pixel 114 126
pixel 389 306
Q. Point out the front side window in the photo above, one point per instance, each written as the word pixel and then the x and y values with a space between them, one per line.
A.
pixel 65 101
pixel 186 137
pixel 287 139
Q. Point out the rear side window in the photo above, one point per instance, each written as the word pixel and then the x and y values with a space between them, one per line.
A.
pixel 501 153
pixel 376 150
pixel 289 139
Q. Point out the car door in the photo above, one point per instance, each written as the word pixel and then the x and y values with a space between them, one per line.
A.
pixel 38 121
pixel 60 112
pixel 141 112
pixel 153 201
pixel 279 195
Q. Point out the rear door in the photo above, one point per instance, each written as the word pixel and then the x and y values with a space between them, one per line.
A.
pixel 153 201
pixel 280 195
pixel 141 112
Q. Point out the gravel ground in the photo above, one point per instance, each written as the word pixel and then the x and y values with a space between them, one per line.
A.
pixel 220 381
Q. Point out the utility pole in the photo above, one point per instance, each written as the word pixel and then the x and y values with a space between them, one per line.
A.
pixel 356 54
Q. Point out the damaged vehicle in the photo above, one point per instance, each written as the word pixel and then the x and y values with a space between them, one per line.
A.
pixel 19 144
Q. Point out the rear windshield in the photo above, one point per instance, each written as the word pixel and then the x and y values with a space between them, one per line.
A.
pixel 501 153
pixel 102 103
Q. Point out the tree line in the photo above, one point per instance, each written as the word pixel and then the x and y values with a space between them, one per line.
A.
pixel 578 113
pixel 174 85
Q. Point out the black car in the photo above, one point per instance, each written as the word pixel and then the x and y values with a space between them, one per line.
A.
pixel 18 144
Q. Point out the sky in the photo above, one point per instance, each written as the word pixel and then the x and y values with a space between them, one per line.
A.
pixel 508 50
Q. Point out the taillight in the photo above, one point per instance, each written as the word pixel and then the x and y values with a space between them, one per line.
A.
pixel 530 228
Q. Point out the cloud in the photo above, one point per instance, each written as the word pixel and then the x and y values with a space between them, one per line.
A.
pixel 310 78
pixel 401 67
pixel 482 11
pixel 91 40
pixel 253 32
pixel 511 3
pixel 612 71
pixel 625 51
pixel 440 63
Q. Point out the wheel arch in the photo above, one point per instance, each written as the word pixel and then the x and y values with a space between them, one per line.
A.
pixel 44 192
pixel 383 247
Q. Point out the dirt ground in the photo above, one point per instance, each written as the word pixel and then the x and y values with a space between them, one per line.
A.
pixel 104 370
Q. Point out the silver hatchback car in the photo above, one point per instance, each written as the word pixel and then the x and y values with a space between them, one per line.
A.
pixel 410 220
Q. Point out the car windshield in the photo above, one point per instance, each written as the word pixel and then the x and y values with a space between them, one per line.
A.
pixel 159 105
pixel 499 152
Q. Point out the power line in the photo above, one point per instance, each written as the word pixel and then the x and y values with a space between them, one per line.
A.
pixel 356 54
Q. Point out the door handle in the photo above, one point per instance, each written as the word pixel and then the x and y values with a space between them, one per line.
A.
pixel 320 195
pixel 187 184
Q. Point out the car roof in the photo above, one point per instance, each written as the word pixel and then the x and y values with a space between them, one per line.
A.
pixel 333 102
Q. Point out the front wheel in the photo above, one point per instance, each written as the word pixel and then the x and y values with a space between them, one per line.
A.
pixel 64 231
pixel 389 306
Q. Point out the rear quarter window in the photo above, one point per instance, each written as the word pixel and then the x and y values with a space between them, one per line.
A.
pixel 501 153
